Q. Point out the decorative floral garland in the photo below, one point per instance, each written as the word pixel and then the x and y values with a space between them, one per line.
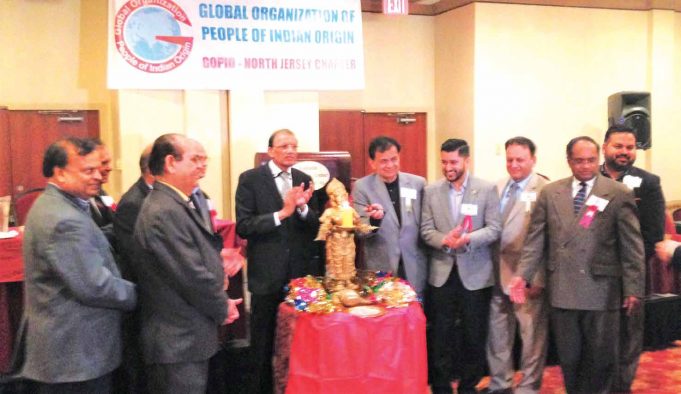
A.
pixel 307 294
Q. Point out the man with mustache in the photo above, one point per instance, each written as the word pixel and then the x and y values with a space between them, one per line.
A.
pixel 460 221
pixel 584 232
pixel 619 150
pixel 275 214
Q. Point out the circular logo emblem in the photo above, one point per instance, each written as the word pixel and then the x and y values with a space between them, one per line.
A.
pixel 317 171
pixel 150 35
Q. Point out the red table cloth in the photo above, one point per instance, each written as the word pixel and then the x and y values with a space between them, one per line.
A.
pixel 11 262
pixel 11 270
pixel 342 353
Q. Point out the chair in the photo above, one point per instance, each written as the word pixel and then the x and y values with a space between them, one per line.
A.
pixel 23 202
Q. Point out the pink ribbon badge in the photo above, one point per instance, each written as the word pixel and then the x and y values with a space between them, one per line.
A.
pixel 467 224
pixel 589 215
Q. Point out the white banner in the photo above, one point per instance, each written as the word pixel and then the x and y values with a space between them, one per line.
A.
pixel 224 45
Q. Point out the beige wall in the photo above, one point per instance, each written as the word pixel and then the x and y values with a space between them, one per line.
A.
pixel 399 70
pixel 454 79
pixel 55 58
pixel 546 73
pixel 484 72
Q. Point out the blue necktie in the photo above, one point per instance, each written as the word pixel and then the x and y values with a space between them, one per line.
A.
pixel 578 202
pixel 511 197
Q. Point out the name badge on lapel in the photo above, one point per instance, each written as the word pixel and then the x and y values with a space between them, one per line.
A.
pixel 632 182
pixel 528 198
pixel 469 209
pixel 409 195
pixel 593 205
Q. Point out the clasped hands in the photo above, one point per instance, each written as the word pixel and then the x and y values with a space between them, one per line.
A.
pixel 232 262
pixel 296 197
pixel 456 238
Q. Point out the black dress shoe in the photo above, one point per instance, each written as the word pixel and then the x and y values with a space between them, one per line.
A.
pixel 442 390
pixel 500 391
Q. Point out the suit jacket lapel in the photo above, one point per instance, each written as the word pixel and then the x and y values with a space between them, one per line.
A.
pixel 519 206
pixel 562 201
pixel 405 183
pixel 600 190
pixel 271 186
pixel 385 201
pixel 193 213
pixel 445 203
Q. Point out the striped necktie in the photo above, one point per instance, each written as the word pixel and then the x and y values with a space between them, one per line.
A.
pixel 578 202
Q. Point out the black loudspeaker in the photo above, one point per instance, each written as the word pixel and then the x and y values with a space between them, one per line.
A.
pixel 632 109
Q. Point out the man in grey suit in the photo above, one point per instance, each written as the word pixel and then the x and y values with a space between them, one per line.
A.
pixel 460 222
pixel 180 273
pixel 71 334
pixel 391 200
pixel 584 231
pixel 518 197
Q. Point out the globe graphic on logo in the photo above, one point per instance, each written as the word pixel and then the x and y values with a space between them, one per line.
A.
pixel 142 28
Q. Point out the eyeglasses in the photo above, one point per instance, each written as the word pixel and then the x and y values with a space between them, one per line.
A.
pixel 199 159
pixel 580 161
pixel 287 147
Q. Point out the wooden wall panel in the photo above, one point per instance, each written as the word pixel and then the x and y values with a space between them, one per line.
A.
pixel 342 131
pixel 31 132
pixel 5 156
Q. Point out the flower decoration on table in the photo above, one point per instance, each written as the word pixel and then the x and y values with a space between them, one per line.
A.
pixel 376 288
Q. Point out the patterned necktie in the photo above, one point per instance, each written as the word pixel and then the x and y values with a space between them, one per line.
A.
pixel 511 197
pixel 286 184
pixel 578 202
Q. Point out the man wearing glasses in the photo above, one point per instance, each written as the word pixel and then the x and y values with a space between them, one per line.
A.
pixel 585 232
pixel 273 214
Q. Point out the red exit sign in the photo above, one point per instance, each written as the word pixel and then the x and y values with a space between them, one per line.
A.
pixel 396 7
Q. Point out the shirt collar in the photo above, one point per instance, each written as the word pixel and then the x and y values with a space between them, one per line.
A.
pixel 521 184
pixel 589 183
pixel 275 170
pixel 178 191
pixel 604 172
pixel 84 205
pixel 464 185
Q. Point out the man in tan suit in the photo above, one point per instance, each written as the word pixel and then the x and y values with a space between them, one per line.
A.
pixel 584 231
pixel 518 195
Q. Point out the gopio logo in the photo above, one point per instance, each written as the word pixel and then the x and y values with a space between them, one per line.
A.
pixel 149 35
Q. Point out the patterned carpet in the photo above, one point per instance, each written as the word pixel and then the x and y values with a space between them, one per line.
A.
pixel 659 372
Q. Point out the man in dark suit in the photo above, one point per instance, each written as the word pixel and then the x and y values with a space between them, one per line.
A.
pixel 460 222
pixel 180 274
pixel 272 213
pixel 619 151
pixel 584 231
pixel 126 214
pixel 130 376
pixel 101 205
pixel 391 200
pixel 71 334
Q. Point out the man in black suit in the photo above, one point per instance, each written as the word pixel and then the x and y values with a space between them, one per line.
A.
pixel 127 211
pixel 130 376
pixel 272 213
pixel 619 151
pixel 101 205
pixel 180 273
